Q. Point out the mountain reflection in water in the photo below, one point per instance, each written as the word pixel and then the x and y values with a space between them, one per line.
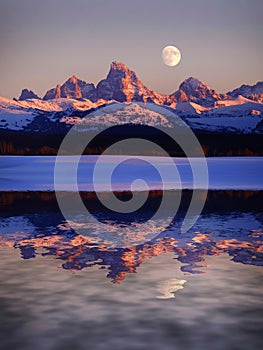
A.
pixel 231 223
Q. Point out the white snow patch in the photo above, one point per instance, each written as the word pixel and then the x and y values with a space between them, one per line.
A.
pixel 236 110
pixel 15 119
pixel 233 124
pixel 232 102
pixel 133 113
pixel 190 107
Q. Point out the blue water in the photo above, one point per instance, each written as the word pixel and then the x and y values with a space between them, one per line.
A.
pixel 197 290
pixel 37 173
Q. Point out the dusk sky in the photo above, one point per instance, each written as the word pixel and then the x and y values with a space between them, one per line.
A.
pixel 45 42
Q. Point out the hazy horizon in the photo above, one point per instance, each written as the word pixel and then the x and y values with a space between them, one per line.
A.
pixel 44 43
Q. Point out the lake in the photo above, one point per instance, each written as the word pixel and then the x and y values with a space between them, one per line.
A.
pixel 33 173
pixel 64 288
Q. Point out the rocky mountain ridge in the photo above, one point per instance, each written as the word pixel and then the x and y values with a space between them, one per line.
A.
pixel 123 85
pixel 200 106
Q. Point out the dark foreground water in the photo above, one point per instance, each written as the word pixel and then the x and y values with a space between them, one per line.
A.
pixel 199 290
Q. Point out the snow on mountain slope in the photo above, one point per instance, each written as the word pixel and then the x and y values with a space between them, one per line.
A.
pixel 61 104
pixel 128 113
pixel 15 120
pixel 56 105
pixel 239 100
pixel 190 107
pixel 225 124
pixel 127 98
pixel 238 115
pixel 237 110
pixel 17 115
pixel 253 92
pixel 194 90
pixel 7 103
pixel 12 116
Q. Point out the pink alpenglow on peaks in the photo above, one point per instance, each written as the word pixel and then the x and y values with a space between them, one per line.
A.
pixel 72 88
pixel 194 90
pixel 240 110
pixel 252 92
pixel 123 85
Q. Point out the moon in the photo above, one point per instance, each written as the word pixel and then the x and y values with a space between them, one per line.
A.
pixel 171 56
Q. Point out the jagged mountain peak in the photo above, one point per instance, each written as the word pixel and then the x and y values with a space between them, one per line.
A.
pixel 252 92
pixel 73 79
pixel 119 70
pixel 258 85
pixel 27 94
pixel 123 85
pixel 194 90
pixel 193 80
pixel 72 88
pixel 117 65
pixel 194 83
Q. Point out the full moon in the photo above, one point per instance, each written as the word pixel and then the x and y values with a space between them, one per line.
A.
pixel 171 56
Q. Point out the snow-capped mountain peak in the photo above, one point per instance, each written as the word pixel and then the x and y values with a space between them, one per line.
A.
pixel 123 85
pixel 128 113
pixel 194 90
pixel 252 92
pixel 195 102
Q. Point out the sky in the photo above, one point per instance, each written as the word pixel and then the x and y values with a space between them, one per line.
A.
pixel 43 43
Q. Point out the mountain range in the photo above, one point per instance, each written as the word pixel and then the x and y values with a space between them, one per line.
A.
pixel 123 85
pixel 237 111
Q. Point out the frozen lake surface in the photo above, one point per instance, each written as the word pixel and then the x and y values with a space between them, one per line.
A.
pixel 36 173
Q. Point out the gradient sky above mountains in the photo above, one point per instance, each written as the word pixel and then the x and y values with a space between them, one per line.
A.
pixel 45 42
